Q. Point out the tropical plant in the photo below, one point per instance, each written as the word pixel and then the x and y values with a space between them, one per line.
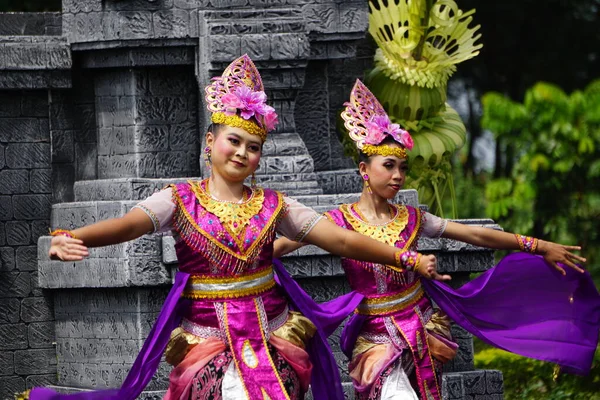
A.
pixel 420 42
pixel 551 183
pixel 528 379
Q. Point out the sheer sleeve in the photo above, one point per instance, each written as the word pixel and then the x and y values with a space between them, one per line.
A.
pixel 298 220
pixel 433 226
pixel 160 208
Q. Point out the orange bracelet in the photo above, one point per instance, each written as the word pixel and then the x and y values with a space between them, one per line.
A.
pixel 63 232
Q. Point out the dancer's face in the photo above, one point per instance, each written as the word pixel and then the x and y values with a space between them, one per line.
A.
pixel 387 174
pixel 235 153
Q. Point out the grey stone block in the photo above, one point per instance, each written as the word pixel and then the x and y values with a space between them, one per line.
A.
pixel 321 17
pixel 40 181
pixel 13 336
pixel 39 228
pixel 27 258
pixel 81 6
pixel 40 380
pixel 63 149
pixel 145 272
pixel 171 23
pixel 35 361
pixel 32 206
pixel 86 157
pixel 494 382
pixel 10 385
pixel 18 233
pixel 9 311
pixel 41 335
pixel 88 273
pixel 2 234
pixel 474 382
pixel 7 363
pixel 7 259
pixel 453 387
pixel 10 108
pixel 36 309
pixel 23 130
pixel 34 104
pixel 130 165
pixel 353 17
pixel 27 155
pixel 14 181
pixel 63 176
pixel 14 284
pixel 2 157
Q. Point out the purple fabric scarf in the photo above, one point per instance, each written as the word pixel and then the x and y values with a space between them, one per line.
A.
pixel 526 307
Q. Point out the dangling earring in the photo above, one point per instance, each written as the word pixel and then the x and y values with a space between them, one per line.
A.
pixel 207 155
pixel 366 178
pixel 253 181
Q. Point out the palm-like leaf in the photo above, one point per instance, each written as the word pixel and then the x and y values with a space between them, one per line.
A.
pixel 420 44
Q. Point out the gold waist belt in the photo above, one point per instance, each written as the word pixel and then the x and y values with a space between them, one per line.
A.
pixel 391 303
pixel 210 287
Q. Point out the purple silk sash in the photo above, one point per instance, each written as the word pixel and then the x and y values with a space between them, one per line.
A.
pixel 525 306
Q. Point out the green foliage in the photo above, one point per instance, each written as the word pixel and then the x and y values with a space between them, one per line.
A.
pixel 549 185
pixel 529 379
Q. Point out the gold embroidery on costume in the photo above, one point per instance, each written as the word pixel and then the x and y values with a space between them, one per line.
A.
pixel 209 246
pixel 388 233
pixel 234 217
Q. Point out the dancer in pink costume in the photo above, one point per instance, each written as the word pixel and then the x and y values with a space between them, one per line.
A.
pixel 228 325
pixel 397 341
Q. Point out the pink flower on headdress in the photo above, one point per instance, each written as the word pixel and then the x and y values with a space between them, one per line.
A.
pixel 231 103
pixel 270 119
pixel 379 126
pixel 253 103
pixel 407 140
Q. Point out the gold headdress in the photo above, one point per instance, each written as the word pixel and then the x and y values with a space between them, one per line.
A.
pixel 237 98
pixel 368 125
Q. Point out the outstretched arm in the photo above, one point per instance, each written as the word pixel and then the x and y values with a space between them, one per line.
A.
pixel 283 246
pixel 350 244
pixel 111 231
pixel 553 253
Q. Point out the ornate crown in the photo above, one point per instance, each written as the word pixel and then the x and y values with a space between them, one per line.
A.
pixel 368 124
pixel 237 98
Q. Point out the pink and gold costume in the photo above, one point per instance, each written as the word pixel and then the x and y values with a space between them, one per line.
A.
pixel 401 333
pixel 237 314
pixel 395 331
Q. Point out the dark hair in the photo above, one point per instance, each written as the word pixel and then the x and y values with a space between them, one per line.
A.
pixel 215 128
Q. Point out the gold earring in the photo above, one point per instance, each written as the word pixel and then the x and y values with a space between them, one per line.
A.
pixel 207 155
pixel 253 181
pixel 366 178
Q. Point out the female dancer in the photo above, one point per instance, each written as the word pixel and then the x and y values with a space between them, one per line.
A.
pixel 396 341
pixel 235 335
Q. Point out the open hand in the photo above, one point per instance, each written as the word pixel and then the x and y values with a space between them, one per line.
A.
pixel 428 268
pixel 555 253
pixel 67 249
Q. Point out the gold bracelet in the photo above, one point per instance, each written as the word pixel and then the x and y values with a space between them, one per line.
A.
pixel 418 263
pixel 397 259
pixel 63 232
pixel 527 243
